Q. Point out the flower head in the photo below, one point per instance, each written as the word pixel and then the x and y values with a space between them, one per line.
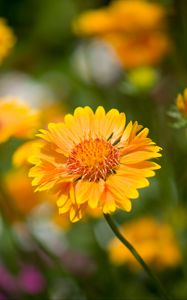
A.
pixel 93 160
pixel 154 241
pixel 120 16
pixel 138 49
pixel 16 120
pixel 19 189
pixel 134 29
pixel 7 39
pixel 181 103
pixel 31 280
pixel 93 23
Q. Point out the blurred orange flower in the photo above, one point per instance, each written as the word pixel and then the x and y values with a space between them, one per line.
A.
pixel 92 160
pixel 121 16
pixel 19 189
pixel 135 30
pixel 16 183
pixel 137 15
pixel 94 22
pixel 7 39
pixel 48 113
pixel 154 241
pixel 138 49
pixel 181 103
pixel 17 120
pixel 21 197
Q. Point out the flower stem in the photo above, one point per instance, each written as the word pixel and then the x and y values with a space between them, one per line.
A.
pixel 133 251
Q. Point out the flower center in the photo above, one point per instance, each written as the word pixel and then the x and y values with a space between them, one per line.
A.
pixel 93 159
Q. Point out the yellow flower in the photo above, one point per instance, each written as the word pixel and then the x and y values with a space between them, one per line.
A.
pixel 138 15
pixel 121 16
pixel 181 103
pixel 94 22
pixel 7 39
pixel 16 120
pixel 154 241
pixel 23 199
pixel 139 49
pixel 135 30
pixel 93 160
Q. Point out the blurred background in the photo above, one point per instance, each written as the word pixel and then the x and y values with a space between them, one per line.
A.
pixel 57 55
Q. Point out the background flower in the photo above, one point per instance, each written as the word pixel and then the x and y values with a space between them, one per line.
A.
pixel 17 119
pixel 134 29
pixel 155 241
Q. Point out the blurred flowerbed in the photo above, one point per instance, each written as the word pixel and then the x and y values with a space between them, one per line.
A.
pixel 61 168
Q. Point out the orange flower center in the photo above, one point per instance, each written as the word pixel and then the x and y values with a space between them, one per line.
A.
pixel 93 159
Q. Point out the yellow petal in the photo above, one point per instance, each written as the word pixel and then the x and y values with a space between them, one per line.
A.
pixel 98 123
pixel 109 205
pixel 138 156
pixel 96 189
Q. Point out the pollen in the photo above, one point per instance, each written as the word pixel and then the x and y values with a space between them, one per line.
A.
pixel 93 159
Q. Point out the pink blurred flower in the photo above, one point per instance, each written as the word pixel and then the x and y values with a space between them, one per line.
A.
pixel 30 280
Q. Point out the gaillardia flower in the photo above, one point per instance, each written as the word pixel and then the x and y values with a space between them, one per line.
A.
pixel 17 119
pixel 136 31
pixel 19 189
pixel 154 240
pixel 93 160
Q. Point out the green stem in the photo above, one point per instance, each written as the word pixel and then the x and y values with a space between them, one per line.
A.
pixel 133 251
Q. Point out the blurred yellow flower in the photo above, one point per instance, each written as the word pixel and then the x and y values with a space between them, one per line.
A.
pixel 139 49
pixel 94 22
pixel 23 199
pixel 48 113
pixel 16 120
pixel 134 29
pixel 138 15
pixel 7 39
pixel 154 241
pixel 93 160
pixel 121 16
pixel 181 103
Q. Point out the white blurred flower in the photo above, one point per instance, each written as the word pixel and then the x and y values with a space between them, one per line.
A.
pixel 96 62
pixel 20 85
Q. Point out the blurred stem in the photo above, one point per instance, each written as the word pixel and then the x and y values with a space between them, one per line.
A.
pixel 136 255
